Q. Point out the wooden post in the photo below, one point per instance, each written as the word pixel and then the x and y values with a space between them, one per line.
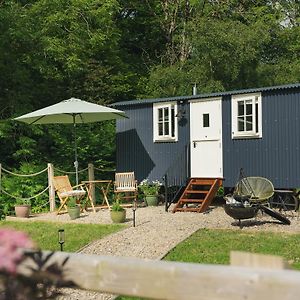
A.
pixel 92 178
pixel 51 187
pixel 253 260
pixel 167 280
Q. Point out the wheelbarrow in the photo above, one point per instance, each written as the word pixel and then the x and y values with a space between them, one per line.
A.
pixel 251 195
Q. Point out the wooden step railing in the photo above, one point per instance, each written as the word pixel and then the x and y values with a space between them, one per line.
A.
pixel 198 194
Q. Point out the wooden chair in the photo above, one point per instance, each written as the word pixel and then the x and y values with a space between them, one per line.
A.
pixel 64 190
pixel 125 186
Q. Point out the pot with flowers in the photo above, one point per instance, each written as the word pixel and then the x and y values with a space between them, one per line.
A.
pixel 150 190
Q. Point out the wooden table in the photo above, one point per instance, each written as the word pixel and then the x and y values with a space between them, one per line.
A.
pixel 103 185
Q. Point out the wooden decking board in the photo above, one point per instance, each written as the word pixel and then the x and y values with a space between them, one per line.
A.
pixel 196 192
pixel 186 200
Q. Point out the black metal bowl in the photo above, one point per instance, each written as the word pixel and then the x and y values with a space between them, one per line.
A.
pixel 240 212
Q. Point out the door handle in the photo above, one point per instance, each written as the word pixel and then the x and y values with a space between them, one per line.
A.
pixel 194 144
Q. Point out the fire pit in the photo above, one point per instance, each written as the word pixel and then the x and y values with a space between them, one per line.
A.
pixel 239 212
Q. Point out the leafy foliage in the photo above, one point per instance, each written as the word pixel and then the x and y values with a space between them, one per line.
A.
pixel 150 188
pixel 23 188
pixel 116 206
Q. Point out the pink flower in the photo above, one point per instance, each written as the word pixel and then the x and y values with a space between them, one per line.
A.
pixel 11 242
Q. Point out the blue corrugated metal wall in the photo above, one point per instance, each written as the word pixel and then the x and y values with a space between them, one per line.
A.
pixel 136 150
pixel 274 156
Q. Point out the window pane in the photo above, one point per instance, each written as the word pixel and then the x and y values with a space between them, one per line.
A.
pixel 166 125
pixel 249 126
pixel 160 129
pixel 249 108
pixel 166 113
pixel 240 108
pixel 241 126
pixel 160 114
pixel 205 120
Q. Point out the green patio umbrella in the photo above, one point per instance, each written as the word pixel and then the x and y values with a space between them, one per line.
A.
pixel 72 111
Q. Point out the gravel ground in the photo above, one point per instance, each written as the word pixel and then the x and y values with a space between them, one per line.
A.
pixel 157 232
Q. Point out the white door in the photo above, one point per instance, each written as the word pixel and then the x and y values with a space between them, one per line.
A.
pixel 206 138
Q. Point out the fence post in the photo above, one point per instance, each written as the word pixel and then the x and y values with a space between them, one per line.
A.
pixel 91 175
pixel 51 187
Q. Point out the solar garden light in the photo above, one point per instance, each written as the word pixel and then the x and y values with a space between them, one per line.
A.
pixel 61 238
pixel 133 210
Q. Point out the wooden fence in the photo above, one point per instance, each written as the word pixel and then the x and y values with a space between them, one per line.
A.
pixel 259 277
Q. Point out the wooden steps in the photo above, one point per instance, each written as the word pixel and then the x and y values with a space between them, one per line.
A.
pixel 198 194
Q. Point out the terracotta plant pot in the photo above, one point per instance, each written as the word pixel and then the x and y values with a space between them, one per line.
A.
pixel 118 216
pixel 22 210
pixel 151 200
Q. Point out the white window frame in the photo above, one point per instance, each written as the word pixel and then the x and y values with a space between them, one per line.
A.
pixel 165 137
pixel 256 102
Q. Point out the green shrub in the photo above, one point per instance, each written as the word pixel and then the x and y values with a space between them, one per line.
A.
pixel 21 188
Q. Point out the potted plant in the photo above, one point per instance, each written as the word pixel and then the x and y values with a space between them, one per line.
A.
pixel 220 194
pixel 150 190
pixel 73 208
pixel 22 208
pixel 117 212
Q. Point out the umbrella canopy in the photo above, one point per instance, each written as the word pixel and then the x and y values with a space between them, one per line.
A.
pixel 72 111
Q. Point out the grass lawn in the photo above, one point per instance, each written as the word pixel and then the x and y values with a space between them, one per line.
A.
pixel 213 247
pixel 45 234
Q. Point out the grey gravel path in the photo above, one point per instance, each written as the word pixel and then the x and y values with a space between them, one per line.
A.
pixel 157 232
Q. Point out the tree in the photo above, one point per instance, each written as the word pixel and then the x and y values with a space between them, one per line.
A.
pixel 232 45
pixel 52 50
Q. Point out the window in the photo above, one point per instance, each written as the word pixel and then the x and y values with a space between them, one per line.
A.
pixel 246 116
pixel 205 120
pixel 164 122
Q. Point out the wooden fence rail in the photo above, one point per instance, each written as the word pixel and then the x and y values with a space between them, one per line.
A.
pixel 173 280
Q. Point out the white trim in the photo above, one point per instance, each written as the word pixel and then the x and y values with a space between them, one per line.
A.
pixel 169 137
pixel 205 99
pixel 255 132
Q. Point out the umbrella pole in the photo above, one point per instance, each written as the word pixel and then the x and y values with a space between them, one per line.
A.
pixel 75 149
